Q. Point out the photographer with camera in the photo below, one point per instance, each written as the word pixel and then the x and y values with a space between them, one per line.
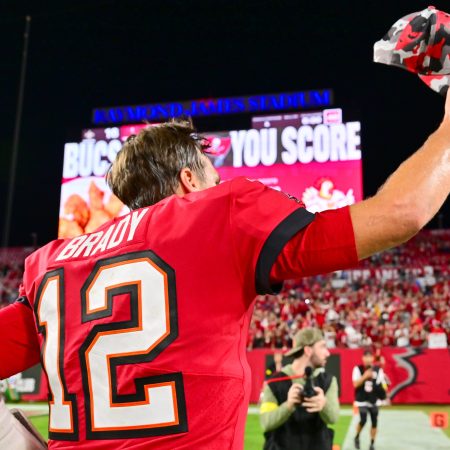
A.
pixel 299 402
pixel 370 391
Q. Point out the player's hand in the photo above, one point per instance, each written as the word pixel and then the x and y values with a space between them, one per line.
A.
pixel 316 403
pixel 368 374
pixel 294 396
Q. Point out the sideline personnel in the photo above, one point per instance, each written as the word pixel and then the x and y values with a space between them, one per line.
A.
pixel 290 419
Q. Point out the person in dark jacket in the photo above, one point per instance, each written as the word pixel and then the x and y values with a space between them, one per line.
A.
pixel 293 418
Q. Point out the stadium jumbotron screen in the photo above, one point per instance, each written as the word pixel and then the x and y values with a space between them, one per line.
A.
pixel 314 156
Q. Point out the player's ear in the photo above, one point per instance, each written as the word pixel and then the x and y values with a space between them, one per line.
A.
pixel 189 181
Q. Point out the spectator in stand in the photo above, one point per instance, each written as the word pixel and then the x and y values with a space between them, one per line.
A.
pixel 330 336
pixel 258 341
pixel 402 336
pixel 418 336
pixel 10 279
pixel 366 341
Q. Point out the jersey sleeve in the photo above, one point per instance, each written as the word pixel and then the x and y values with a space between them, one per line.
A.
pixel 19 349
pixel 356 374
pixel 325 245
pixel 262 221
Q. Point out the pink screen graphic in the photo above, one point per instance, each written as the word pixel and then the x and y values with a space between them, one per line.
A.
pixel 315 157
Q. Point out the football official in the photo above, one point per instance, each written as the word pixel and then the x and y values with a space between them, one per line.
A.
pixel 291 416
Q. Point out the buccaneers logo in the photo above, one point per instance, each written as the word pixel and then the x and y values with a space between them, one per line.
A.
pixel 404 360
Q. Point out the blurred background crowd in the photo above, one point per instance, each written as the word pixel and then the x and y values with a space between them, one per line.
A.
pixel 396 298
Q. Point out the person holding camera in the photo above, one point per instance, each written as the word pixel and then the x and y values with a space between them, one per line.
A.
pixel 370 390
pixel 299 402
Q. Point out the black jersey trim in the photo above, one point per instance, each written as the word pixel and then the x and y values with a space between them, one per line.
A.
pixel 24 300
pixel 277 239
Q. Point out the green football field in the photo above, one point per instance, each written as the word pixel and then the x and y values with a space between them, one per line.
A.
pixel 254 438
pixel 400 428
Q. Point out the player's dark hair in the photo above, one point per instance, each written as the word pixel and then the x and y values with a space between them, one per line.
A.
pixel 148 166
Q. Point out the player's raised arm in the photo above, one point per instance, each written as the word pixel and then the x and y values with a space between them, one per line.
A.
pixel 337 239
pixel 410 197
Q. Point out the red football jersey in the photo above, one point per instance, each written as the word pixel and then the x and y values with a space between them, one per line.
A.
pixel 143 323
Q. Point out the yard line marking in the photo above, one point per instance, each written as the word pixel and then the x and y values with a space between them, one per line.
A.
pixel 28 407
pixel 399 430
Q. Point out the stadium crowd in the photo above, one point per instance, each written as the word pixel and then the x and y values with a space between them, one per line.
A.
pixel 10 278
pixel 395 298
pixel 11 271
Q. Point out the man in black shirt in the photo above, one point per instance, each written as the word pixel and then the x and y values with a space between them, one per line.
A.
pixel 370 390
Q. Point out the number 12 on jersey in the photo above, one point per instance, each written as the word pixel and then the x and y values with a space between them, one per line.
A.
pixel 157 407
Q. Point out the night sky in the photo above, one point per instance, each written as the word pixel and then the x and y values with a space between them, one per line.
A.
pixel 86 54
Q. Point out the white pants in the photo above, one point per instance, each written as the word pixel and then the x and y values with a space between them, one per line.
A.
pixel 13 435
